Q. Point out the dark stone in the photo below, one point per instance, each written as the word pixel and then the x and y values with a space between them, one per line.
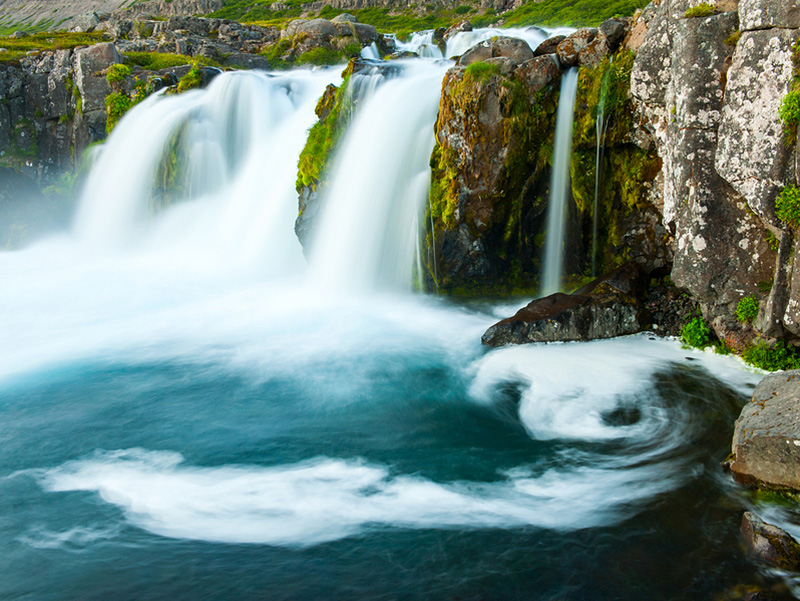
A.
pixel 569 49
pixel 769 543
pixel 513 48
pixel 614 31
pixel 605 308
pixel 549 45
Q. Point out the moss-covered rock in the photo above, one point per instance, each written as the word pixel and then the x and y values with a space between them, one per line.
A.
pixel 489 174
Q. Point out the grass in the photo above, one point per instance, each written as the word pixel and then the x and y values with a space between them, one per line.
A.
pixel 570 12
pixel 480 71
pixel 787 206
pixel 704 9
pixel 155 61
pixel 16 48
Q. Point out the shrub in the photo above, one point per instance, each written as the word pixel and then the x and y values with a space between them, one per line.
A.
pixel 787 206
pixel 772 358
pixel 191 80
pixel 116 74
pixel 790 110
pixel 481 71
pixel 696 334
pixel 704 9
pixel 747 309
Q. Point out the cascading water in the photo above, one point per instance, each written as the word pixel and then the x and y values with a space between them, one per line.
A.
pixel 367 235
pixel 231 144
pixel 553 270
pixel 181 421
pixel 600 132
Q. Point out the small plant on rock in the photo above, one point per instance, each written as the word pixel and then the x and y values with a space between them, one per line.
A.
pixel 193 79
pixel 747 309
pixel 790 111
pixel 772 358
pixel 116 75
pixel 481 71
pixel 696 334
pixel 117 104
pixel 787 206
pixel 704 9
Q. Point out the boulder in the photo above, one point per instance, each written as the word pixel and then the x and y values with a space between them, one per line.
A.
pixel 607 307
pixel 569 49
pixel 770 544
pixel 344 18
pixel 766 439
pixel 85 23
pixel 549 46
pixel 766 14
pixel 461 26
pixel 614 31
pixel 513 48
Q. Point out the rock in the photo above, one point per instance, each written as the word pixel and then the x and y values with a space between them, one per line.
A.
pixel 344 18
pixel 94 88
pixel 752 154
pixel 614 31
pixel 766 440
pixel 538 72
pixel 19 34
pixel 514 48
pixel 549 45
pixel 765 14
pixel 569 48
pixel 460 27
pixel 318 27
pixel 606 308
pixel 85 23
pixel 769 543
pixel 243 60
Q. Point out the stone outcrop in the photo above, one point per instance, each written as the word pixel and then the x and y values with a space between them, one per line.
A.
pixel 609 306
pixel 689 85
pixel 766 441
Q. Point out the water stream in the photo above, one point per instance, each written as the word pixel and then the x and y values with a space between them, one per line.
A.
pixel 189 412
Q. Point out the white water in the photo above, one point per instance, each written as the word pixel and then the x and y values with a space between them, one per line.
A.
pixel 367 233
pixel 553 270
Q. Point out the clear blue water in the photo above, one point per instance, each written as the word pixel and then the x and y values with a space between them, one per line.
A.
pixel 200 475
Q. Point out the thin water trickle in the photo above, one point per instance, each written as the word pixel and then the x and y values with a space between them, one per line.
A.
pixel 553 270
pixel 601 124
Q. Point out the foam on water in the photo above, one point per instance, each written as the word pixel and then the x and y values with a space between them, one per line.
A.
pixel 327 499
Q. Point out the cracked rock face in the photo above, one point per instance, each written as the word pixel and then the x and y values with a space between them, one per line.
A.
pixel 679 84
pixel 752 153
pixel 766 14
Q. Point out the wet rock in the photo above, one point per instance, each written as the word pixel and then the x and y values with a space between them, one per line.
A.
pixel 614 31
pixel 606 308
pixel 549 46
pixel 569 49
pixel 766 440
pixel 769 543
pixel 460 27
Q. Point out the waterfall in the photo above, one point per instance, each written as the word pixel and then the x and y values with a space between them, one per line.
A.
pixel 553 270
pixel 601 124
pixel 232 150
pixel 366 237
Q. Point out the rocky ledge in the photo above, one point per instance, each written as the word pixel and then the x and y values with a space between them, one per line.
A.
pixel 607 307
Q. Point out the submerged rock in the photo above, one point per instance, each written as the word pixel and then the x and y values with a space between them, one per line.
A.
pixel 769 543
pixel 607 307
pixel 766 440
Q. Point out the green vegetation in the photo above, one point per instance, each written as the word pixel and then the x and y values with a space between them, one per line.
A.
pixel 772 358
pixel 480 72
pixel 787 206
pixel 117 104
pixel 790 112
pixel 696 334
pixel 734 38
pixel 327 56
pixel 16 48
pixel 193 79
pixel 155 61
pixel 747 309
pixel 704 9
pixel 570 12
pixel 116 75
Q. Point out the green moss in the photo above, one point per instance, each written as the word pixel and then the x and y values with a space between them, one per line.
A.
pixel 772 357
pixel 16 48
pixel 787 206
pixel 322 56
pixel 480 71
pixel 704 9
pixel 334 110
pixel 156 61
pixel 117 104
pixel 193 79
pixel 696 333
pixel 747 309
pixel 733 38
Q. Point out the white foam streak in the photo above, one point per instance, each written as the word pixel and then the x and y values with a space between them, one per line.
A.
pixel 327 499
